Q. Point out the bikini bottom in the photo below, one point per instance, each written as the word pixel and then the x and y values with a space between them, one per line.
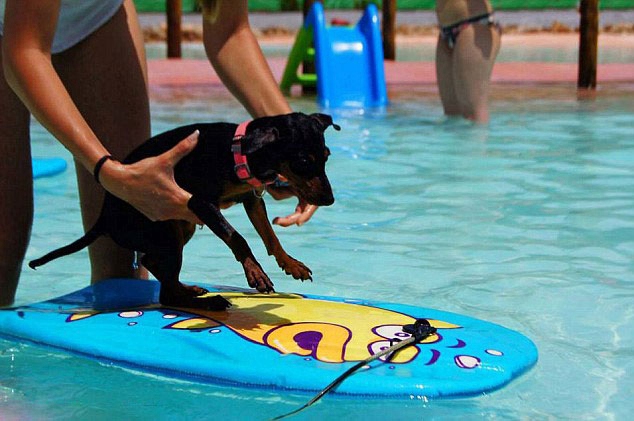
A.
pixel 450 33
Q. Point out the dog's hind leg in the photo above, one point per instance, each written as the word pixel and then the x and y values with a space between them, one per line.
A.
pixel 166 267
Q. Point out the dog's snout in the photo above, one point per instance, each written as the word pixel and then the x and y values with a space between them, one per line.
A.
pixel 318 192
pixel 327 199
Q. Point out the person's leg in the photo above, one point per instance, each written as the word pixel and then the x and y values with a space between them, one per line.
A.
pixel 107 78
pixel 475 51
pixel 445 80
pixel 16 189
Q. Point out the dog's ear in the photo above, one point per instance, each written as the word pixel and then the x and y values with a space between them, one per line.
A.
pixel 325 121
pixel 259 138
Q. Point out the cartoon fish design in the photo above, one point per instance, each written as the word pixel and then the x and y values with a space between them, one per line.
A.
pixel 328 331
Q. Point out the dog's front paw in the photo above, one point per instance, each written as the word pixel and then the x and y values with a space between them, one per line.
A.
pixel 295 268
pixel 256 277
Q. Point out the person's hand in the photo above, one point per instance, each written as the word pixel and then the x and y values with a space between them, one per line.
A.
pixel 149 184
pixel 303 212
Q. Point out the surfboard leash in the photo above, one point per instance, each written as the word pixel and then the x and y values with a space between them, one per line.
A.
pixel 420 330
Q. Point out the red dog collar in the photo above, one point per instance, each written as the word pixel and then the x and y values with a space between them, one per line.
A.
pixel 242 168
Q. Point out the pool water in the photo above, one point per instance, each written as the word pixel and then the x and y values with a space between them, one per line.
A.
pixel 528 223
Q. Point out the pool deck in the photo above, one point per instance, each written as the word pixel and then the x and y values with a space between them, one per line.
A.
pixel 183 72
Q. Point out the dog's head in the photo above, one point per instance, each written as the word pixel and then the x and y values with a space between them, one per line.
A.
pixel 293 146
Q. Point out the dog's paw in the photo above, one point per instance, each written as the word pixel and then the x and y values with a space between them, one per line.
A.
pixel 256 277
pixel 195 290
pixel 213 303
pixel 295 268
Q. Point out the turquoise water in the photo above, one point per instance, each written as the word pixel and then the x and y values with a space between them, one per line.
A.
pixel 528 223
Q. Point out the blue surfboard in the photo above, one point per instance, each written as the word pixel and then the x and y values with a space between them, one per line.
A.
pixel 276 341
pixel 46 167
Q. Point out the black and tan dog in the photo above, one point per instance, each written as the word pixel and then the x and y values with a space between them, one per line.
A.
pixel 228 165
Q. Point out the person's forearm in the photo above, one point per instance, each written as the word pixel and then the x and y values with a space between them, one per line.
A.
pixel 29 27
pixel 31 75
pixel 237 58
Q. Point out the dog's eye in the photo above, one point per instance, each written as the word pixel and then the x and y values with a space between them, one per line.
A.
pixel 304 166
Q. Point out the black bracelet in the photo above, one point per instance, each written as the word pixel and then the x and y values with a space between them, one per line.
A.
pixel 99 164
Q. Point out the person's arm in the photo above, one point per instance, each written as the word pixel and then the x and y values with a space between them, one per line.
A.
pixel 237 58
pixel 29 27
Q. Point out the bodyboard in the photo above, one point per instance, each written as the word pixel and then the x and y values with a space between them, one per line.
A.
pixel 276 341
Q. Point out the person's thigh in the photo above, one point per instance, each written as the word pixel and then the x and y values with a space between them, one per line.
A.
pixel 16 188
pixel 444 78
pixel 474 56
pixel 106 77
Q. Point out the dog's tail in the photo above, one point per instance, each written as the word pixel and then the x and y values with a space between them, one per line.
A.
pixel 73 247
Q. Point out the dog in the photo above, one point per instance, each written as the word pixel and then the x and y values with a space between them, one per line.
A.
pixel 230 164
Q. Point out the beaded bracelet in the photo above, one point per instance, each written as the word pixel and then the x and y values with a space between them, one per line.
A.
pixel 99 164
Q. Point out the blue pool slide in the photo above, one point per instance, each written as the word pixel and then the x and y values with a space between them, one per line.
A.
pixel 348 60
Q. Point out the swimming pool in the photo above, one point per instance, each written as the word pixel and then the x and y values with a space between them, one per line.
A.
pixel 528 223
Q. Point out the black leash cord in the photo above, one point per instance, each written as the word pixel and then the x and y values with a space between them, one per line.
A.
pixel 419 331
